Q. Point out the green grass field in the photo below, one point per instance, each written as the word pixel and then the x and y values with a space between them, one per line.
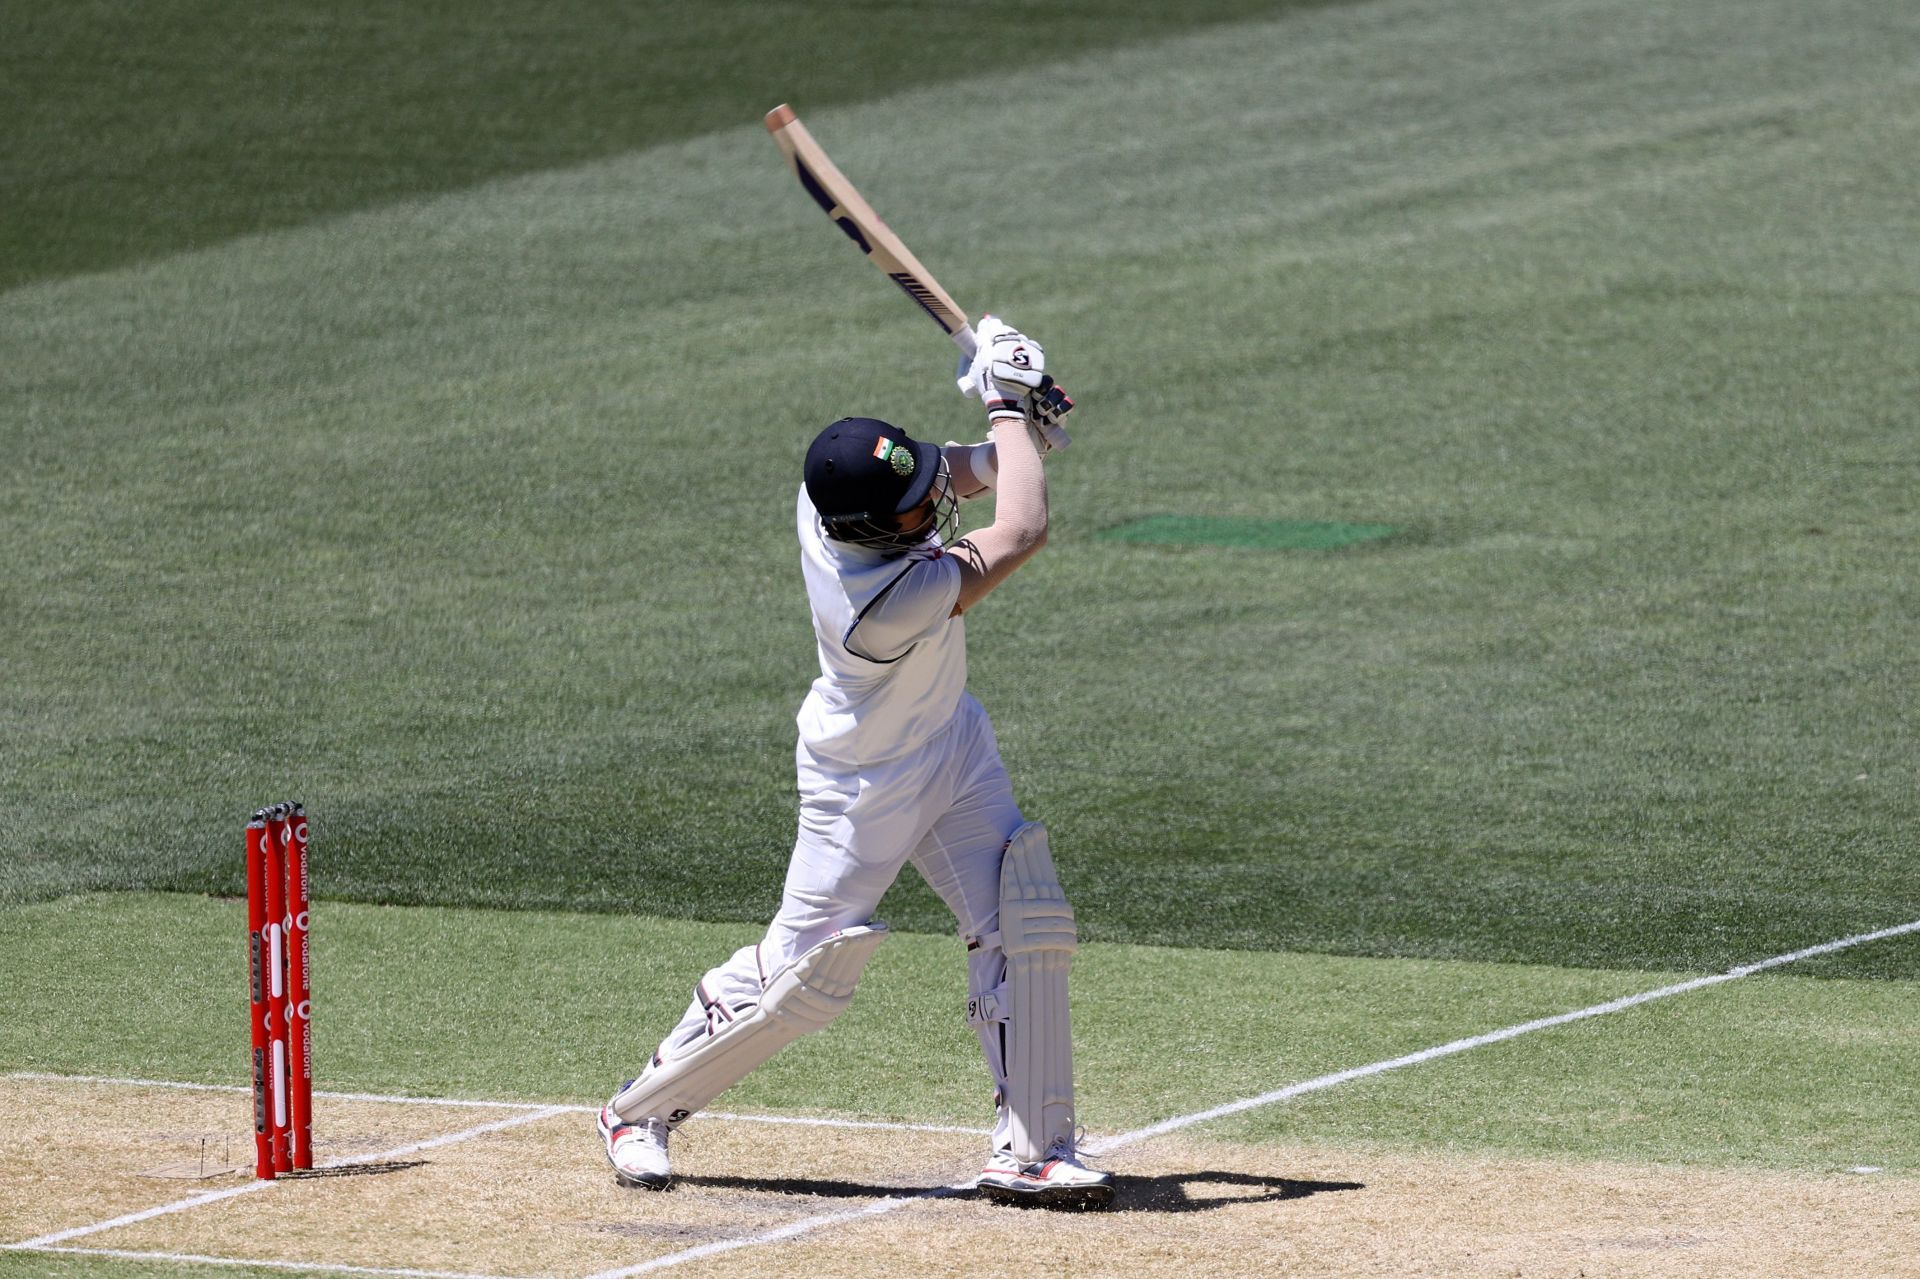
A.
pixel 463 518
pixel 402 414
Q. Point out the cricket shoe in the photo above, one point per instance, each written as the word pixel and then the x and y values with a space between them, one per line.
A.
pixel 1058 1181
pixel 638 1152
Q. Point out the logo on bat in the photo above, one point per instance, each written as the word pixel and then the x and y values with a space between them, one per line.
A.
pixel 829 204
pixel 919 293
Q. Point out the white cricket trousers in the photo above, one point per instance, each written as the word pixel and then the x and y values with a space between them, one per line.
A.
pixel 947 807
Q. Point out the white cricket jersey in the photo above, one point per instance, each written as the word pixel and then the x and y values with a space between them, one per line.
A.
pixel 893 658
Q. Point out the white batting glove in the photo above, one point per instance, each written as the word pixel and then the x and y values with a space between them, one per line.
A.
pixel 1007 367
pixel 1008 373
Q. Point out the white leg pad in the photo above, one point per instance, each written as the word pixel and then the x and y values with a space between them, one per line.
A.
pixel 1038 935
pixel 800 999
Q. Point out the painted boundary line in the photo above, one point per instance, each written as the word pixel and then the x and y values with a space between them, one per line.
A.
pixel 797 1121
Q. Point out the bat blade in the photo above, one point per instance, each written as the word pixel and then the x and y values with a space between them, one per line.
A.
pixel 849 210
pixel 842 202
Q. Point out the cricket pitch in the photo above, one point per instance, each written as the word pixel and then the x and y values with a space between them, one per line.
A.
pixel 524 1191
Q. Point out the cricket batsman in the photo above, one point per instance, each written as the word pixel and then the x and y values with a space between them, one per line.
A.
pixel 897 762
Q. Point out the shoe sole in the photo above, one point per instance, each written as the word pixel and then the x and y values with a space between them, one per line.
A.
pixel 647 1182
pixel 1050 1196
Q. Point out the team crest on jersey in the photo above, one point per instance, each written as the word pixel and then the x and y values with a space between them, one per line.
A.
pixel 896 455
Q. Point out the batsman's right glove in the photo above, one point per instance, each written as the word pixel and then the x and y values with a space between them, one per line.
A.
pixel 1044 411
pixel 1009 374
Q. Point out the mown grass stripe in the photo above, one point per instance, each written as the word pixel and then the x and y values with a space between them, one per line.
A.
pixel 1264 535
pixel 359 103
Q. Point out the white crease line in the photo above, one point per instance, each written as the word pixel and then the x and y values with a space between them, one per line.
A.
pixel 805 1121
pixel 325 1267
pixel 883 1206
pixel 434 1143
pixel 1291 1091
pixel 878 1208
pixel 254 1187
pixel 35 1076
pixel 179 1205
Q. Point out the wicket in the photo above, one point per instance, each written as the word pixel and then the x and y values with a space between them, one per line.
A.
pixel 280 985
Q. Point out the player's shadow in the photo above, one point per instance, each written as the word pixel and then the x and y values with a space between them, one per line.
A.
pixel 1170 1192
pixel 1189 1191
pixel 817 1187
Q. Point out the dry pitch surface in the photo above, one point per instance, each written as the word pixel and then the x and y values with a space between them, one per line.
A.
pixel 530 1195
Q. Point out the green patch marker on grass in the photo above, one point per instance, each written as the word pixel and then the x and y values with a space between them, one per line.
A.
pixel 1264 535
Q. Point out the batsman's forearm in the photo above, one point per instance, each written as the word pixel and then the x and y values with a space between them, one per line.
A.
pixel 1020 487
pixel 1019 527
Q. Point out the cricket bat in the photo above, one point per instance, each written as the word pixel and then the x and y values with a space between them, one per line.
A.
pixel 849 210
